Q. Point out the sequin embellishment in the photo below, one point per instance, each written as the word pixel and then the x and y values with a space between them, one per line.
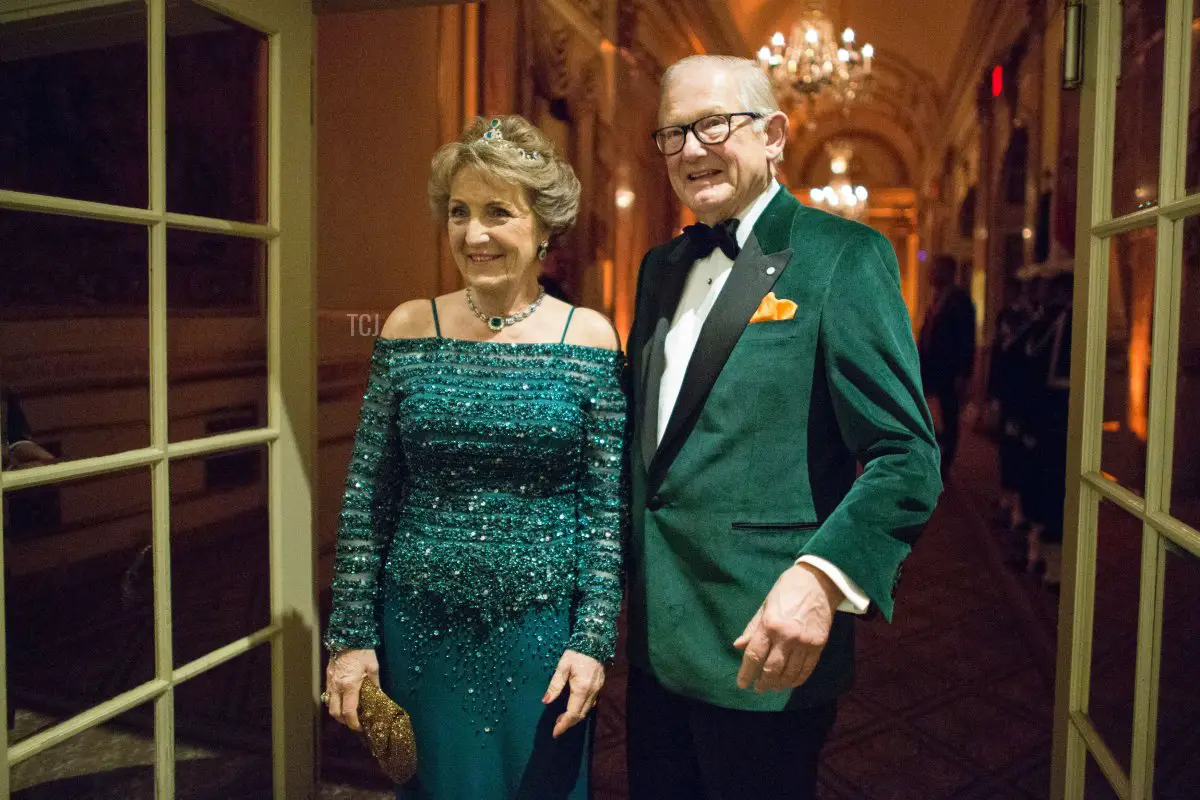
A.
pixel 484 498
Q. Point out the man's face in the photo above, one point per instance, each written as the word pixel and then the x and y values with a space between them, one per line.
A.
pixel 716 181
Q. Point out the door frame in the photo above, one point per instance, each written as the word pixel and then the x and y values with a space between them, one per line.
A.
pixel 289 434
pixel 1075 736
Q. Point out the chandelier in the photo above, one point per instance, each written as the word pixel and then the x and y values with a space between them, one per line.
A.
pixel 815 63
pixel 840 196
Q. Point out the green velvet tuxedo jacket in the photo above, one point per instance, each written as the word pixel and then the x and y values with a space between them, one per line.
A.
pixel 758 463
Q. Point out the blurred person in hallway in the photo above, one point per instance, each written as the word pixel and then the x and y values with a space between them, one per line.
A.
pixel 771 354
pixel 1004 388
pixel 480 544
pixel 947 349
pixel 1047 351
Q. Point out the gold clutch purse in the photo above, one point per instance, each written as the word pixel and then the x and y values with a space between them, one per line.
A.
pixel 388 732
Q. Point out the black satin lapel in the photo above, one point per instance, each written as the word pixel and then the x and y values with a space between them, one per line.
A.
pixel 754 274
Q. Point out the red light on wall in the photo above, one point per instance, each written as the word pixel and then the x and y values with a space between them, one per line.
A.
pixel 997 80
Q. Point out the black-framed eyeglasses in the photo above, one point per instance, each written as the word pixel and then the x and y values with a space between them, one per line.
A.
pixel 713 129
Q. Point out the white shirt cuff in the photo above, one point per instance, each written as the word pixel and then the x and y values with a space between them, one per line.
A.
pixel 856 601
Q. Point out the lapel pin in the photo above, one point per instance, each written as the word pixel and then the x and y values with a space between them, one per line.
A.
pixel 770 270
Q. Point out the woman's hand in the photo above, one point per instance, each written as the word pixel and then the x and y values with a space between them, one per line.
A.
pixel 585 675
pixel 343 679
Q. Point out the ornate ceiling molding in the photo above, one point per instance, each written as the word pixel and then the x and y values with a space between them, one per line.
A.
pixel 806 170
pixel 903 108
pixel 876 123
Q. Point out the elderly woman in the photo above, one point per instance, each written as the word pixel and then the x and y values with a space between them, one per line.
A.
pixel 478 572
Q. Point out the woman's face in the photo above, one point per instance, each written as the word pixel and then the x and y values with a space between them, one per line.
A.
pixel 494 234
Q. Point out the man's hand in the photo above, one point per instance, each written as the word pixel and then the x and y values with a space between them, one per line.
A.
pixel 784 640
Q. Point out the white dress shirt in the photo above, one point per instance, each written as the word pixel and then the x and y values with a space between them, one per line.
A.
pixel 704 284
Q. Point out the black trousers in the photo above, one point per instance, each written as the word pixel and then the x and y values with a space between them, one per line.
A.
pixel 1049 493
pixel 683 749
pixel 1010 453
pixel 951 405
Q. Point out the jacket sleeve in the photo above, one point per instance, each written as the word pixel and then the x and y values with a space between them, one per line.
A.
pixel 872 371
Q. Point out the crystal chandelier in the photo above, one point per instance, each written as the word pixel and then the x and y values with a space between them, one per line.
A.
pixel 840 196
pixel 815 63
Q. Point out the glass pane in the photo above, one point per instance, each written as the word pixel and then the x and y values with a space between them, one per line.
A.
pixel 1193 152
pixel 223 730
pixel 220 557
pixel 1177 764
pixel 112 760
pixel 74 338
pixel 1114 638
pixel 1095 785
pixel 1127 358
pixel 73 90
pixel 1139 106
pixel 79 583
pixel 217 373
pixel 216 115
pixel 1185 483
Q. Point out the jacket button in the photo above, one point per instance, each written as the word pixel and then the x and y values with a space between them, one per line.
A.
pixel 654 503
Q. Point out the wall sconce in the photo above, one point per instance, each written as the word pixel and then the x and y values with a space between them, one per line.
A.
pixel 1073 34
pixel 624 198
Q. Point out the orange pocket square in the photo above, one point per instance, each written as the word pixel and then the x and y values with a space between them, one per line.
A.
pixel 772 309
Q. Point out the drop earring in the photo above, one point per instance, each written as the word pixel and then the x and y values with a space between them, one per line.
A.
pixel 543 250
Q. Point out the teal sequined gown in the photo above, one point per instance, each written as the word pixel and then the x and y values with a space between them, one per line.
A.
pixel 480 537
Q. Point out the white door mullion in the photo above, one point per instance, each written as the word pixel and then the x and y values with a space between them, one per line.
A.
pixel 164 712
pixel 1102 52
pixel 4 768
pixel 1163 360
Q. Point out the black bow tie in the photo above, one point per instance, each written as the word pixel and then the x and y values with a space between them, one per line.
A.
pixel 703 239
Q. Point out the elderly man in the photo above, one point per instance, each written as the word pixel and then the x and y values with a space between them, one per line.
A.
pixel 771 353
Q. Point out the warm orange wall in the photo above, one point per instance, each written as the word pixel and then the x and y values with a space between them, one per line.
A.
pixel 377 128
pixel 376 131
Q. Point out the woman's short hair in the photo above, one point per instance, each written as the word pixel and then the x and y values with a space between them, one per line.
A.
pixel 549 182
